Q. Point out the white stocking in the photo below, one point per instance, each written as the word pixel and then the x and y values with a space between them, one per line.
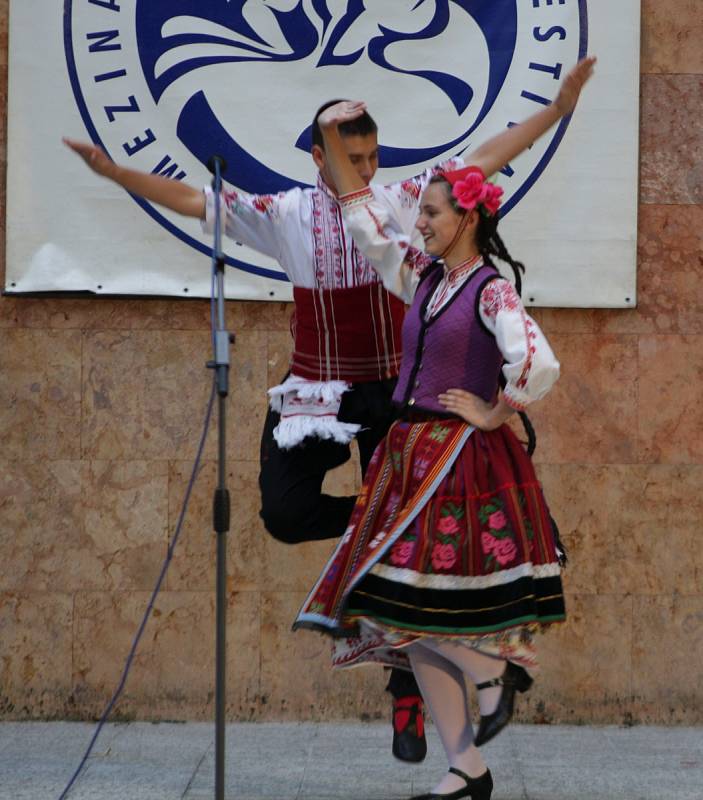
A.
pixel 444 690
pixel 478 666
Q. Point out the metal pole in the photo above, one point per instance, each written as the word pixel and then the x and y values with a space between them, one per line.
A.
pixel 221 501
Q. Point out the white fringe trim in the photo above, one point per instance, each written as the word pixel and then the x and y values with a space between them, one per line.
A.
pixel 309 408
pixel 327 391
pixel 291 432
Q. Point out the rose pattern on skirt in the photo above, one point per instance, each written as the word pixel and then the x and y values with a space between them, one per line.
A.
pixel 498 542
pixel 443 556
pixel 447 525
pixel 401 552
pixel 497 521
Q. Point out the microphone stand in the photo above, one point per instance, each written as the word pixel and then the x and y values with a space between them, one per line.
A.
pixel 221 504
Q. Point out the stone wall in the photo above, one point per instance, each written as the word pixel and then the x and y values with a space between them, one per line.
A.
pixel 101 402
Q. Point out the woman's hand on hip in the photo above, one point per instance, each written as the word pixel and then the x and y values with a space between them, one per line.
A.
pixel 475 410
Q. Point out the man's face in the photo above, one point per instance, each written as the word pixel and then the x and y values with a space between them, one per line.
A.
pixel 362 152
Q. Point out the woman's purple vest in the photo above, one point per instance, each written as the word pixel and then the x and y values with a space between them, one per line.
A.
pixel 452 350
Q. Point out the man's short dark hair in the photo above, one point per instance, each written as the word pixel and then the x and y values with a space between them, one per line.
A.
pixel 361 126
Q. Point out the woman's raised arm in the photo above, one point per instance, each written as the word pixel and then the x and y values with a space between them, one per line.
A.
pixel 494 154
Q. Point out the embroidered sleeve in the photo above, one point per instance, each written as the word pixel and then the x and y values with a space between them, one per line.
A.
pixel 531 367
pixel 373 223
pixel 403 199
pixel 251 219
pixel 410 190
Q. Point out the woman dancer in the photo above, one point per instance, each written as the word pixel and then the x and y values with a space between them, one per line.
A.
pixel 449 563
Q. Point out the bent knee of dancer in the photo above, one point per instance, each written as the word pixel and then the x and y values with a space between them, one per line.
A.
pixel 287 521
pixel 282 525
pixel 293 521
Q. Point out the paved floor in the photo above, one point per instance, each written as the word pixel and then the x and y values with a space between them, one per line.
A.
pixel 277 761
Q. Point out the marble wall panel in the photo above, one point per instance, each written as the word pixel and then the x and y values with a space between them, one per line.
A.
pixel 670 412
pixel 43 540
pixel 670 258
pixel 248 401
pixel 564 320
pixel 590 414
pixel 173 670
pixel 126 518
pixel 35 658
pixel 671 139
pixel 307 688
pixel 586 664
pixel 40 402
pixel 8 310
pixel 279 349
pixel 667 652
pixel 194 561
pixel 628 529
pixel 101 313
pixel 70 525
pixel 110 313
pixel 145 394
pixel 259 316
pixel 671 42
pixel 295 567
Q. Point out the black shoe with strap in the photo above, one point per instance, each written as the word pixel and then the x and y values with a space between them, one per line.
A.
pixel 514 679
pixel 409 743
pixel 476 788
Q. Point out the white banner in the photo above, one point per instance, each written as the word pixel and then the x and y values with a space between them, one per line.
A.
pixel 164 84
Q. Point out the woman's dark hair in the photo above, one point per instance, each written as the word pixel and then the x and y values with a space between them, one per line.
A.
pixel 361 126
pixel 489 242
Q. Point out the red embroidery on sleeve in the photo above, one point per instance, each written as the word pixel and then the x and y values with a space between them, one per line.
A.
pixel 377 223
pixel 500 295
pixel 411 187
pixel 263 203
pixel 530 336
pixel 416 260
pixel 511 401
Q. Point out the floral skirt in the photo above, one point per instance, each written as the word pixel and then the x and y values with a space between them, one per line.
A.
pixel 450 537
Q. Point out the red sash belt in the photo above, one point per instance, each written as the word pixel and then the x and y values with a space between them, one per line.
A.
pixel 351 335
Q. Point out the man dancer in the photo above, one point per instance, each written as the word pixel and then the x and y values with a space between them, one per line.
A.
pixel 346 330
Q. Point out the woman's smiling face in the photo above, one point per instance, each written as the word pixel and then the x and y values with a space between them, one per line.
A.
pixel 438 221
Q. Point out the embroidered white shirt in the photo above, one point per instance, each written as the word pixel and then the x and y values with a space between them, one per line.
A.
pixel 304 230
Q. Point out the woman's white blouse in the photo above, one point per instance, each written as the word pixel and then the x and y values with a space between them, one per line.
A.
pixel 530 367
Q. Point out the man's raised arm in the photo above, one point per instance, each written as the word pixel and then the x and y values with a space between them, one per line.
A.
pixel 173 194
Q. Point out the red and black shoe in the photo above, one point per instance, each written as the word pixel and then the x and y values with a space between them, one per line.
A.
pixel 409 743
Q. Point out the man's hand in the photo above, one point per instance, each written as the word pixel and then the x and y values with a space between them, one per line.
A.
pixel 344 111
pixel 94 157
pixel 475 410
pixel 167 192
pixel 572 84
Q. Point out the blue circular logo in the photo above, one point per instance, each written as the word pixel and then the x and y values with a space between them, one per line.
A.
pixel 162 86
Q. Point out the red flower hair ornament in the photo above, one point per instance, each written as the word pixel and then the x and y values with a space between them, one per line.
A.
pixel 471 190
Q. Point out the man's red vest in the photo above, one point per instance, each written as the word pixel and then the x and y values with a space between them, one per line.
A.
pixel 351 334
